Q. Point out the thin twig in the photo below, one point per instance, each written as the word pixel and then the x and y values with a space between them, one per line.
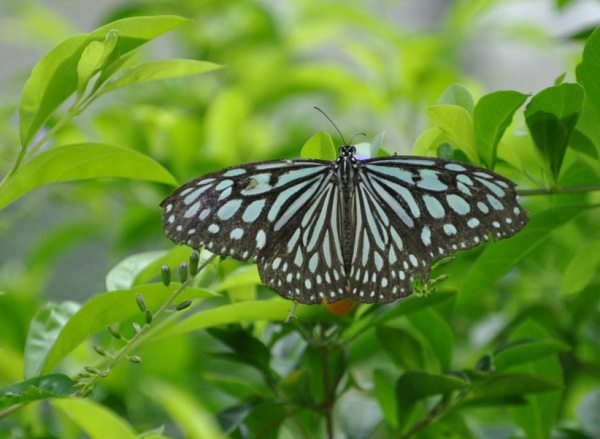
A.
pixel 559 190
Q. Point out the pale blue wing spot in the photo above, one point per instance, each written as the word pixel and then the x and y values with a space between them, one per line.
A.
pixel 290 176
pixel 214 228
pixel 449 229
pixel 483 207
pixel 193 196
pixel 224 184
pixel 430 181
pixel 192 210
pixel 454 167
pixel 458 204
pixel 473 222
pixel 492 187
pixel 236 233
pixel 234 172
pixel 496 204
pixel 229 209
pixel 426 235
pixel 253 210
pixel 434 207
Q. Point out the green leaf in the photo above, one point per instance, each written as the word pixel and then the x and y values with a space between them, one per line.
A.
pixel 157 70
pixel 386 396
pixel 54 78
pixel 551 116
pixel 123 275
pixel 588 71
pixel 457 94
pixel 94 419
pixel 243 276
pixel 437 332
pixel 93 58
pixel 582 267
pixel 581 143
pixel 44 329
pixel 403 348
pixel 538 416
pixel 493 114
pixel 196 421
pixel 498 258
pixel 47 386
pixel 502 388
pixel 79 162
pixel 248 311
pixel 319 146
pixel 457 124
pixel 109 308
pixel 526 351
pixel 428 142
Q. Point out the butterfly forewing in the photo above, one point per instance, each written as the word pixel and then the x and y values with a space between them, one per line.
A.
pixel 243 211
pixel 319 235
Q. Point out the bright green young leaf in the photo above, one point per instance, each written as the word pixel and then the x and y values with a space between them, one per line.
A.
pixel 93 58
pixel 582 268
pixel 551 116
pixel 457 124
pixel 44 329
pixel 94 419
pixel 437 332
pixel 319 146
pixel 47 386
pixel 196 421
pixel 54 78
pixel 538 415
pixel 79 162
pixel 109 308
pixel 386 395
pixel 507 387
pixel 245 275
pixel 404 349
pixel 157 70
pixel 457 94
pixel 428 142
pixel 526 351
pixel 249 311
pixel 588 71
pixel 493 114
pixel 498 258
pixel 123 275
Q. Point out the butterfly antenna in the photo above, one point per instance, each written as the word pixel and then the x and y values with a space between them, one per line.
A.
pixel 332 123
pixel 357 134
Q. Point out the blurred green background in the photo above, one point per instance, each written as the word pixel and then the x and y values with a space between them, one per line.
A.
pixel 374 67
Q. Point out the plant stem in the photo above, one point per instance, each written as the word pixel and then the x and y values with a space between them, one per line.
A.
pixel 559 190
pixel 329 393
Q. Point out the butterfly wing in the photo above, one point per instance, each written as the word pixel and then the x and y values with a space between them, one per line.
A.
pixel 411 210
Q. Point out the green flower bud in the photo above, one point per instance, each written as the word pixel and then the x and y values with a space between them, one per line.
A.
pixel 166 275
pixel 140 302
pixel 183 305
pixel 194 261
pixel 183 272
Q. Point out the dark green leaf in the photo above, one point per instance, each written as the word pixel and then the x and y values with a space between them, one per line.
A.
pixel 247 349
pixel 551 116
pixel 583 144
pixel 526 351
pixel 386 396
pixel 414 386
pixel 437 332
pixel 493 114
pixel 588 71
pixel 47 386
pixel 44 329
pixel 79 162
pixel 504 387
pixel 404 349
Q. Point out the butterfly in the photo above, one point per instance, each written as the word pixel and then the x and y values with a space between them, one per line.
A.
pixel 322 231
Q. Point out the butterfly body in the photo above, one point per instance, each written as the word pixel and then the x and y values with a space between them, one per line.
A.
pixel 348 228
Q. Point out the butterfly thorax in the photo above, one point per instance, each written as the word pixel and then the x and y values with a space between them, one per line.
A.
pixel 345 172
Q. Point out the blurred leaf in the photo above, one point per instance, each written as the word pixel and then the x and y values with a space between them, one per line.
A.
pixel 457 94
pixel 502 388
pixel 493 114
pixel 54 77
pixel 403 348
pixel 385 393
pixel 551 116
pixel 96 421
pixel 172 257
pixel 47 386
pixel 526 351
pixel 247 349
pixel 498 258
pixel 540 413
pixel 106 309
pixel 457 124
pixel 156 70
pixel 196 421
pixel 319 146
pixel 93 58
pixel 588 413
pixel 249 311
pixel 242 276
pixel 588 71
pixel 123 275
pixel 582 267
pixel 79 162
pixel 44 329
pixel 437 332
